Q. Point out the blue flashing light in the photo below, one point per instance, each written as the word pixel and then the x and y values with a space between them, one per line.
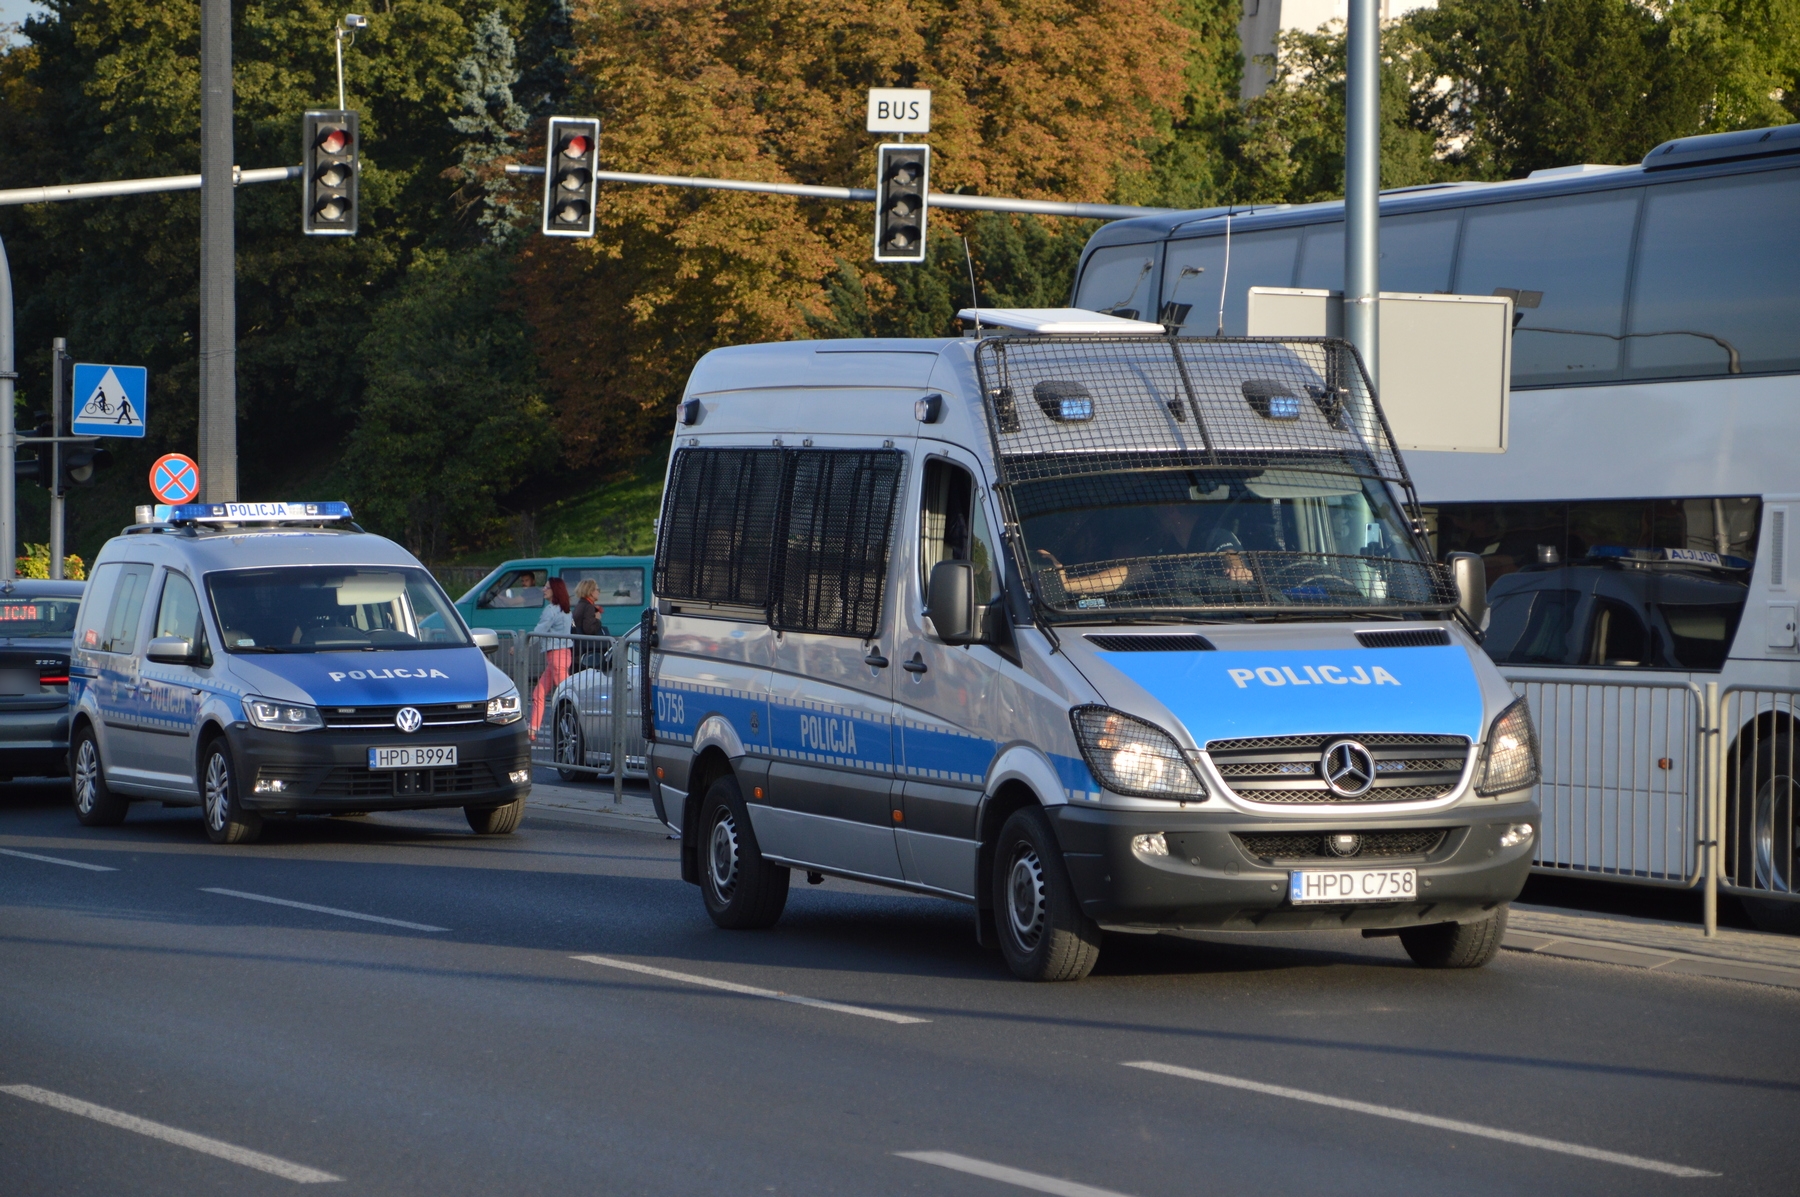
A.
pixel 257 513
pixel 1076 410
pixel 1284 407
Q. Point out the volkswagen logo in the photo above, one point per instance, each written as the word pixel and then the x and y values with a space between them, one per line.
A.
pixel 1348 768
pixel 408 720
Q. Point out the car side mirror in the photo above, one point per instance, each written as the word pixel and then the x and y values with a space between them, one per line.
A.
pixel 950 602
pixel 485 639
pixel 170 650
pixel 1470 575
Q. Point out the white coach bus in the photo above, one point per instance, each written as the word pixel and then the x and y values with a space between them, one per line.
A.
pixel 1636 531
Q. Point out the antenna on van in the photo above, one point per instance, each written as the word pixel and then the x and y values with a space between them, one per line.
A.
pixel 1226 276
pixel 974 295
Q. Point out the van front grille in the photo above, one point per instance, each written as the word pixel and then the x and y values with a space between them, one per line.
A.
pixel 1310 845
pixel 1285 770
pixel 442 714
pixel 351 781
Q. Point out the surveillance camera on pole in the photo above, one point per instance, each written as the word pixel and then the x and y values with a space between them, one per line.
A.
pixel 902 182
pixel 571 185
pixel 329 148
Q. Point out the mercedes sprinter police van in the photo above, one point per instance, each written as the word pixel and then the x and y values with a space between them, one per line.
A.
pixel 1093 627
pixel 259 659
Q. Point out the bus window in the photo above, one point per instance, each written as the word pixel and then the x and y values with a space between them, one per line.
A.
pixel 1263 259
pixel 1716 278
pixel 1531 627
pixel 1700 633
pixel 1415 253
pixel 1118 280
pixel 1565 260
pixel 1616 636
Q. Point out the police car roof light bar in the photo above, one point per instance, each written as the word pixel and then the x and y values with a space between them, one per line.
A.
pixel 258 513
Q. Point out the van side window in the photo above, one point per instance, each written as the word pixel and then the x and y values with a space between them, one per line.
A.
pixel 120 634
pixel 1117 280
pixel 179 615
pixel 618 587
pixel 718 526
pixel 515 588
pixel 95 603
pixel 954 527
pixel 832 558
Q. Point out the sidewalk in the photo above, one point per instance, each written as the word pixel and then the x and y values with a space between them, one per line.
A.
pixel 1731 954
pixel 591 803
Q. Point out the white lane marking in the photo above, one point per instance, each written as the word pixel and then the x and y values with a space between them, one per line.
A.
pixel 299 1173
pixel 749 990
pixel 1011 1176
pixel 1449 1124
pixel 343 914
pixel 73 864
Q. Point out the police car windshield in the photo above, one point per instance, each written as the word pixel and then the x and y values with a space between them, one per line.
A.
pixel 326 608
pixel 1314 533
pixel 38 617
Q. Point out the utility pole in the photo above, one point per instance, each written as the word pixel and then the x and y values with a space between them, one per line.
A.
pixel 59 349
pixel 9 434
pixel 1362 184
pixel 218 260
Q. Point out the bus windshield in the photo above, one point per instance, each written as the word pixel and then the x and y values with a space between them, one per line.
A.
pixel 1306 533
pixel 332 608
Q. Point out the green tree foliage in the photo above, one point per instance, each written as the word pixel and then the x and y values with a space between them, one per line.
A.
pixel 452 417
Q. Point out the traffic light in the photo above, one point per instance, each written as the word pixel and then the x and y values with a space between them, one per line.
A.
pixel 79 465
pixel 902 182
pixel 571 185
pixel 329 145
pixel 40 468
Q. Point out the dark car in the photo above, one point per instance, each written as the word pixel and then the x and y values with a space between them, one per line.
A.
pixel 36 622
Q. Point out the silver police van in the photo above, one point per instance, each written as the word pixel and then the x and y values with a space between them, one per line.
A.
pixel 258 659
pixel 1092 627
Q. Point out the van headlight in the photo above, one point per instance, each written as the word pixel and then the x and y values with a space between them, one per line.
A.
pixel 1133 756
pixel 505 708
pixel 1510 760
pixel 270 715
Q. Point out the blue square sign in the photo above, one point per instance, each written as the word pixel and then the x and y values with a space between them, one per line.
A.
pixel 109 400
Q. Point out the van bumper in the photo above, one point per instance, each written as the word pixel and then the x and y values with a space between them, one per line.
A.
pixel 327 771
pixel 1211 880
pixel 35 743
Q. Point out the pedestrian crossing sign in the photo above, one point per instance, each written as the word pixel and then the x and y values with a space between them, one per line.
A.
pixel 109 400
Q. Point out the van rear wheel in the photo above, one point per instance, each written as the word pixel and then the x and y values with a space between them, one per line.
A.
pixel 1455 945
pixel 743 892
pixel 95 804
pixel 1043 932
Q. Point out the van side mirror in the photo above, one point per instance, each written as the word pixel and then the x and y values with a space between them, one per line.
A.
pixel 950 602
pixel 485 639
pixel 1470 575
pixel 170 650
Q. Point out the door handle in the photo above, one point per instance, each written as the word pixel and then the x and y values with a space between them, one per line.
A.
pixel 875 660
pixel 915 666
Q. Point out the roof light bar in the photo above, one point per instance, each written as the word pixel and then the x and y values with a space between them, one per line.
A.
pixel 258 513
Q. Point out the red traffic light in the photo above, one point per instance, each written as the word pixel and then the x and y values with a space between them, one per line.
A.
pixel 333 141
pixel 576 147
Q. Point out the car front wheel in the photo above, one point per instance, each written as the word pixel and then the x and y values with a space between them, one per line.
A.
pixel 227 822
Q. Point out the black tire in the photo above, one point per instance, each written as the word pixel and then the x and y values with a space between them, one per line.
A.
pixel 1455 945
pixel 1764 839
pixel 95 804
pixel 495 820
pixel 566 741
pixel 225 819
pixel 1042 931
pixel 743 892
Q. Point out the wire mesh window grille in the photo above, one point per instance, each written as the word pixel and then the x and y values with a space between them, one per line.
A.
pixel 718 526
pixel 836 527
pixel 1173 474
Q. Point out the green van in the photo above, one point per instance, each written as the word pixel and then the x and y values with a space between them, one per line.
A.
pixel 512 597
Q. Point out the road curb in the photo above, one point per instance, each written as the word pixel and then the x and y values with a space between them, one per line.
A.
pixel 1652 959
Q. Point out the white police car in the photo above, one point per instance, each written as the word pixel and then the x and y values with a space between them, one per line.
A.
pixel 261 659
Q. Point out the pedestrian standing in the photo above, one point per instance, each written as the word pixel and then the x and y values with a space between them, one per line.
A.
pixel 586 613
pixel 555 622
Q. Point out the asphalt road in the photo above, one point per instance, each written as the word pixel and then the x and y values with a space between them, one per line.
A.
pixel 141 1007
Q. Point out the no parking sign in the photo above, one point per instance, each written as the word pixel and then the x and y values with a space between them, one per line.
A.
pixel 174 479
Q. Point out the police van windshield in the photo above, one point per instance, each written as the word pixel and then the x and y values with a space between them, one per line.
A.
pixel 1311 532
pixel 324 608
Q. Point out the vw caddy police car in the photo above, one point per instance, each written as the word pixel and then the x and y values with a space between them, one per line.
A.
pixel 259 659
pixel 1095 628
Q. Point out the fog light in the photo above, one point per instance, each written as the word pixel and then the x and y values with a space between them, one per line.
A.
pixel 265 786
pixel 1515 835
pixel 519 776
pixel 1153 844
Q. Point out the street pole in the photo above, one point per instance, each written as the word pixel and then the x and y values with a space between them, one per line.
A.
pixel 58 351
pixel 218 260
pixel 9 434
pixel 1362 184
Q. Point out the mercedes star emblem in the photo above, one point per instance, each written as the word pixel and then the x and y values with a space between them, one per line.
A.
pixel 1348 768
pixel 408 720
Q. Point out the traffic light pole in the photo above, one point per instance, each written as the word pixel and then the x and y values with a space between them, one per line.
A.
pixel 59 349
pixel 218 260
pixel 9 435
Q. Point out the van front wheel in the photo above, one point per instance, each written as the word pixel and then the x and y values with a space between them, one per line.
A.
pixel 1455 945
pixel 743 891
pixel 1043 933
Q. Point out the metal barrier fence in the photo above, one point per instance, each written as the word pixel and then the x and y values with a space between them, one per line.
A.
pixel 568 685
pixel 1669 783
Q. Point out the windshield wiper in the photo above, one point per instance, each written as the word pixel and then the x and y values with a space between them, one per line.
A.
pixel 270 648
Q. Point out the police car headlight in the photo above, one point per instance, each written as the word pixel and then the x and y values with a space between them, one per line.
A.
pixel 270 715
pixel 1510 760
pixel 1132 756
pixel 505 709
